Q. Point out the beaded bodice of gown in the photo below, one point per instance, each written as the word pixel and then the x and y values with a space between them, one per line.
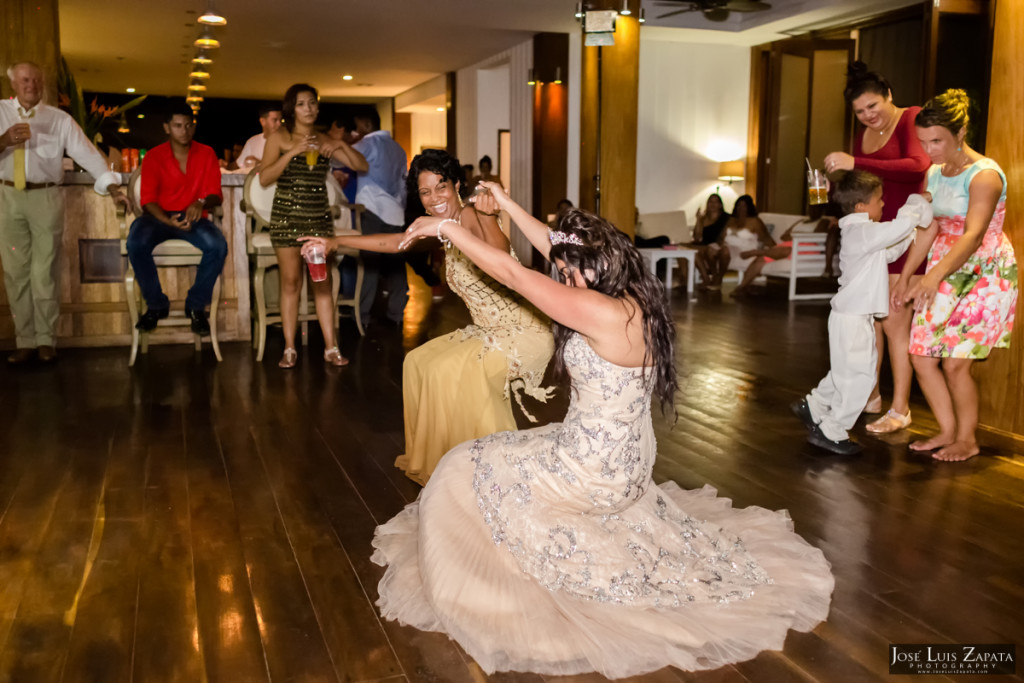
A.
pixel 576 505
pixel 491 304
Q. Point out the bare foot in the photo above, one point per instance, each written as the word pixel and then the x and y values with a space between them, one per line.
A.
pixel 937 441
pixel 957 451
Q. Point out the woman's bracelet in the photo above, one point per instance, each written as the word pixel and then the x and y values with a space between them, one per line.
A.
pixel 441 238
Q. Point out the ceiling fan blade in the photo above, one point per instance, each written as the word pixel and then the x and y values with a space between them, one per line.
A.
pixel 678 11
pixel 746 6
pixel 716 14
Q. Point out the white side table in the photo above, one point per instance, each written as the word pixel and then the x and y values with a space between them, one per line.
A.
pixel 670 256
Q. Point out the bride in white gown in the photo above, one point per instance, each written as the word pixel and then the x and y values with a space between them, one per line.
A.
pixel 551 550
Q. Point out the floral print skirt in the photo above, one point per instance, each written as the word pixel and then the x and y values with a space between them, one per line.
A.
pixel 973 311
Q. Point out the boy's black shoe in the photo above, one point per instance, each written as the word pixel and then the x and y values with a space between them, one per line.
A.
pixel 200 325
pixel 844 447
pixel 149 319
pixel 803 411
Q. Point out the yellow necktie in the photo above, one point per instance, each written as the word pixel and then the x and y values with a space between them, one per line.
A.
pixel 19 168
pixel 19 155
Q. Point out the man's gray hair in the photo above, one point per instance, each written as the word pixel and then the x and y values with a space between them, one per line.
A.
pixel 13 67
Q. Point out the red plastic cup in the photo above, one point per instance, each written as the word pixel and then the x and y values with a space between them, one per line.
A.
pixel 316 260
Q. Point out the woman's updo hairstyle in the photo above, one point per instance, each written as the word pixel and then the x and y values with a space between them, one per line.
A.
pixel 860 80
pixel 948 110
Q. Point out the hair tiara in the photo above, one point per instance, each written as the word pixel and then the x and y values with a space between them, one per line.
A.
pixel 559 237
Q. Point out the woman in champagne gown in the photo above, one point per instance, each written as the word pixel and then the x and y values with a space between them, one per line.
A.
pixel 459 386
pixel 551 550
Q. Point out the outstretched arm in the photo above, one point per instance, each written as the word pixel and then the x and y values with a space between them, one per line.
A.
pixel 588 312
pixel 533 229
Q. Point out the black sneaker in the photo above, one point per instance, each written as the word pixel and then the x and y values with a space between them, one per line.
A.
pixel 200 325
pixel 844 447
pixel 803 411
pixel 149 319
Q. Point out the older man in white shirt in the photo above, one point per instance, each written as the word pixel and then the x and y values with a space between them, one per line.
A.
pixel 32 146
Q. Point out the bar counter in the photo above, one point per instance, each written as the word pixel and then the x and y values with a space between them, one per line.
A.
pixel 93 300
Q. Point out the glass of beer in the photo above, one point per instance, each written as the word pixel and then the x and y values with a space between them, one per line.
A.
pixel 817 189
pixel 311 156
pixel 316 259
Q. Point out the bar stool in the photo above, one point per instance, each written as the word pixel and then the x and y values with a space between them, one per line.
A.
pixel 257 202
pixel 169 254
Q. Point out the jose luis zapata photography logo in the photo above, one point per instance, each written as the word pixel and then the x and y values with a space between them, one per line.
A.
pixel 952 659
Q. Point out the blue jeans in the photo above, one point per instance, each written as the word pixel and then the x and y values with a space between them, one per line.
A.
pixel 147 232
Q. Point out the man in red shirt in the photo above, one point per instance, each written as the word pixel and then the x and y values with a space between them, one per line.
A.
pixel 180 183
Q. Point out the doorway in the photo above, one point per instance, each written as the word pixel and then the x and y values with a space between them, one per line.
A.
pixel 803 117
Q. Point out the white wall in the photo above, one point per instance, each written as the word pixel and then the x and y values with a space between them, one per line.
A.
pixel 692 113
pixel 518 60
pixel 428 130
pixel 492 113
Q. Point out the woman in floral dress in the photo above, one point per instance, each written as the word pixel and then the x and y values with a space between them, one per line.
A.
pixel 966 300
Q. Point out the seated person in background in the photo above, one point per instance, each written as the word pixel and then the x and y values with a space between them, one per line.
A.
pixel 654 242
pixel 708 233
pixel 784 248
pixel 744 231
pixel 174 174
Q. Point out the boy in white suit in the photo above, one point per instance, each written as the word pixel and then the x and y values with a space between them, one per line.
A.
pixel 866 247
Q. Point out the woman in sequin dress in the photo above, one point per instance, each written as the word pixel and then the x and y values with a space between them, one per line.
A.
pixel 966 300
pixel 458 386
pixel 551 550
pixel 300 208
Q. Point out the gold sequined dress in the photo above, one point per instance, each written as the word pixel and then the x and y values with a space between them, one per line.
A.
pixel 551 550
pixel 300 205
pixel 458 387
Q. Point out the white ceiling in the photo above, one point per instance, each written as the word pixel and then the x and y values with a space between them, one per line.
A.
pixel 388 46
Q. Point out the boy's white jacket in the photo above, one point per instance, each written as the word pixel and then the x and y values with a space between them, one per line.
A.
pixel 864 252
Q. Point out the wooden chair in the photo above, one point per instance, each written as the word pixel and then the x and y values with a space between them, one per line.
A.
pixel 169 254
pixel 256 203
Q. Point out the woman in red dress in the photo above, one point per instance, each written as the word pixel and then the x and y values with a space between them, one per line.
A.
pixel 889 148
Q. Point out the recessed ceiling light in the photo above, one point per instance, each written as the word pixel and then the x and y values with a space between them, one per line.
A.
pixel 129 89
pixel 440 108
pixel 346 77
pixel 212 18
pixel 206 39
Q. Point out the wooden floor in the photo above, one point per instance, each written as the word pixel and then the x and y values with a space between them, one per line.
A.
pixel 193 521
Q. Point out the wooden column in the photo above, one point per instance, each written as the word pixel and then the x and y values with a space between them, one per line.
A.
pixel 31 32
pixel 550 121
pixel 616 68
pixel 1001 377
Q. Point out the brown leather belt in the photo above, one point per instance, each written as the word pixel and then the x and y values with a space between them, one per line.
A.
pixel 29 186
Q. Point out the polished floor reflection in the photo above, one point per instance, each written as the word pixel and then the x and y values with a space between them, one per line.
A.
pixel 193 521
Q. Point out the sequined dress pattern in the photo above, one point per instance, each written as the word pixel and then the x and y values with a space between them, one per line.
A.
pixel 459 386
pixel 552 550
pixel 300 205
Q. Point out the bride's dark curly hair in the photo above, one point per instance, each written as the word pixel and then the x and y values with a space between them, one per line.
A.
pixel 610 264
